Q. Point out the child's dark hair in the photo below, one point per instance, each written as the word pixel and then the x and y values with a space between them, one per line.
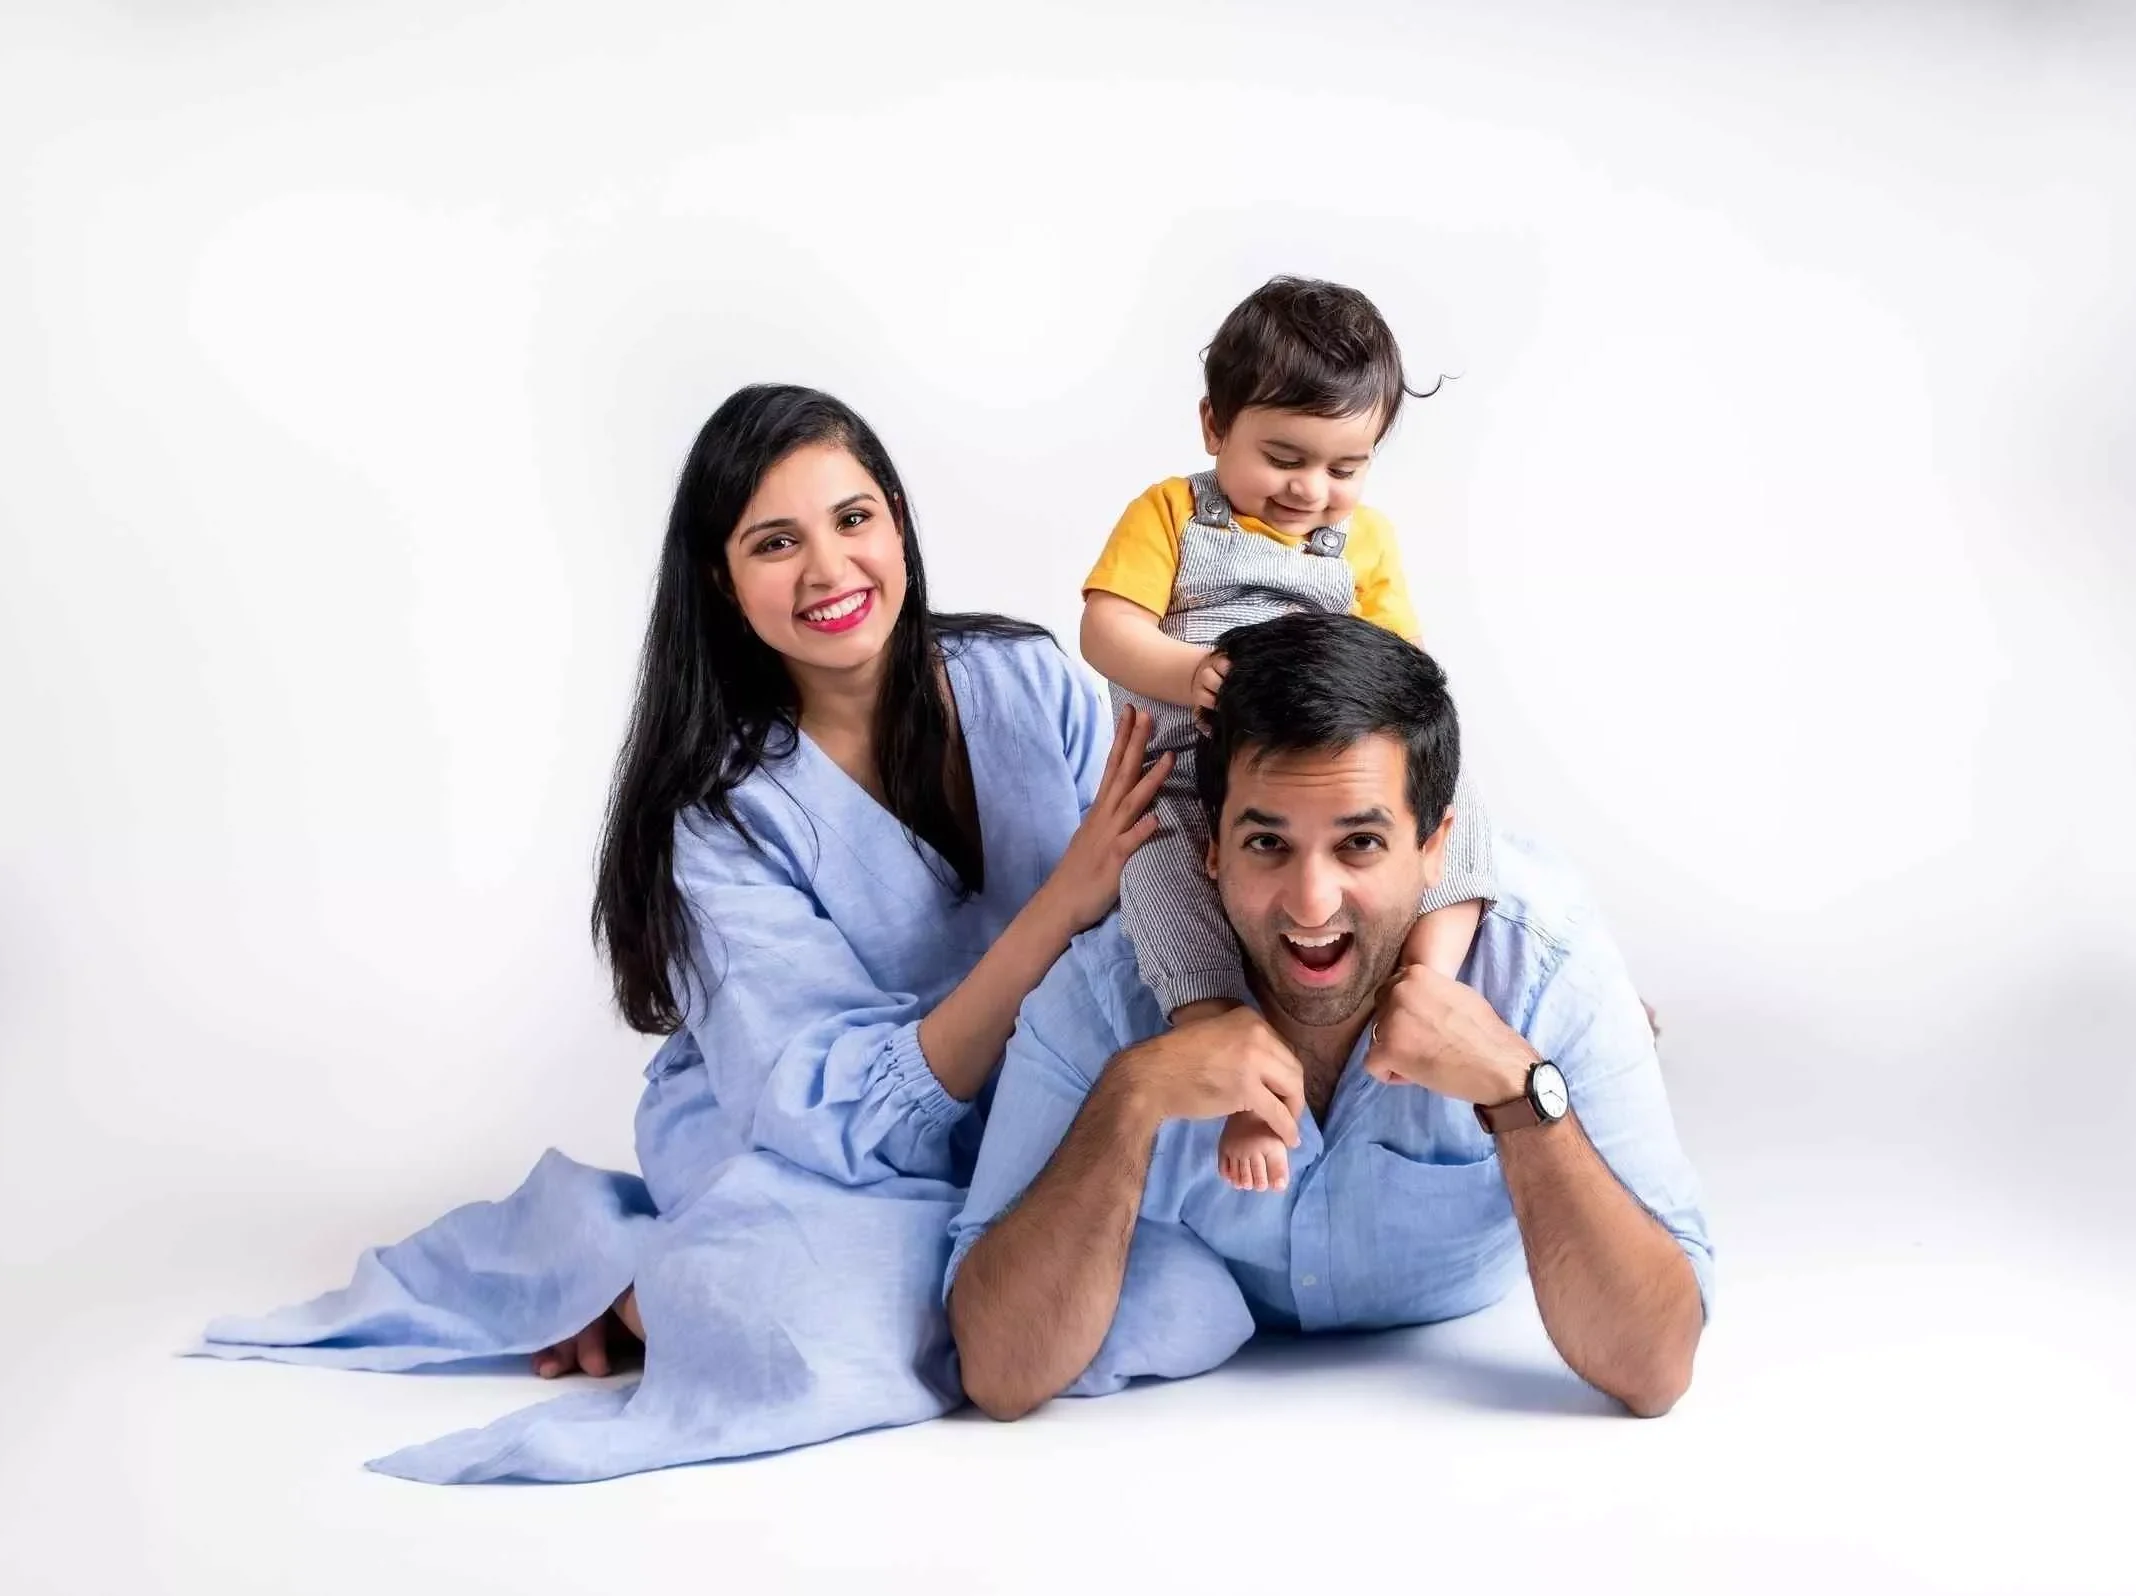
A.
pixel 1318 348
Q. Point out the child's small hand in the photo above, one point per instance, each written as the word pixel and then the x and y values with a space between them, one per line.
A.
pixel 1208 680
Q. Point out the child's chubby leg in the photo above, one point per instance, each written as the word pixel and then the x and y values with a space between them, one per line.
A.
pixel 1249 1155
pixel 1441 938
pixel 1187 954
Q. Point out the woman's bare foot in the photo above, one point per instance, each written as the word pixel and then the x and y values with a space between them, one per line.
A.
pixel 1251 1156
pixel 589 1350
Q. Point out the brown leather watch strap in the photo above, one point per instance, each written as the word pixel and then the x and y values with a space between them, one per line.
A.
pixel 1515 1114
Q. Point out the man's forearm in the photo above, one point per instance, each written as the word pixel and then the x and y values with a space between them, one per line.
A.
pixel 1037 1293
pixel 1616 1292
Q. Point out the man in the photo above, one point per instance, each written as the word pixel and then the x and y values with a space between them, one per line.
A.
pixel 1441 1130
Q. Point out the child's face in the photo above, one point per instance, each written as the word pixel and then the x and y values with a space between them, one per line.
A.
pixel 1293 471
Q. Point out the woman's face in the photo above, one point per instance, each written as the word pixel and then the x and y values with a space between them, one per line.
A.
pixel 817 561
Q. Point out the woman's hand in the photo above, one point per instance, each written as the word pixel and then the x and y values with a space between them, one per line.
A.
pixel 1086 883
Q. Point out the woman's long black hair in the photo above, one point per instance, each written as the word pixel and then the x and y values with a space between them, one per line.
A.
pixel 714 701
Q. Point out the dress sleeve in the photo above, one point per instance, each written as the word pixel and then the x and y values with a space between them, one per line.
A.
pixel 787 1017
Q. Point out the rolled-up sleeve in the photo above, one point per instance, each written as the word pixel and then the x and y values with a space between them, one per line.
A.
pixel 1587 1019
pixel 788 1019
pixel 1179 1311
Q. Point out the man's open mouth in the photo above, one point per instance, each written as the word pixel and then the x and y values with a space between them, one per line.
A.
pixel 1317 957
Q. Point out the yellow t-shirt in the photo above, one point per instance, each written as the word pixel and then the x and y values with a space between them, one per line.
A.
pixel 1141 558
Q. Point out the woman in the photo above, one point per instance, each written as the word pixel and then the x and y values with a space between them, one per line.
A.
pixel 847 837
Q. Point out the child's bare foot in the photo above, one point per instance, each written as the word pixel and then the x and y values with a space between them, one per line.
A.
pixel 1251 1156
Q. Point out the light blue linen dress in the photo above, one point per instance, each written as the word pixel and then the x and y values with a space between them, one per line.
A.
pixel 800 1163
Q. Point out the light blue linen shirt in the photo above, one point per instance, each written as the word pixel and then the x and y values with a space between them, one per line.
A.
pixel 1397 1211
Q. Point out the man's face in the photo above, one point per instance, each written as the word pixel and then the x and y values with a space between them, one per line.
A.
pixel 1317 861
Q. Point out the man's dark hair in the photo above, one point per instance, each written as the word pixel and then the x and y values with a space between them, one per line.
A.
pixel 1298 344
pixel 1317 683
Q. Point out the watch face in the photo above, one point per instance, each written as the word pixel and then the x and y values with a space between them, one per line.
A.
pixel 1546 1088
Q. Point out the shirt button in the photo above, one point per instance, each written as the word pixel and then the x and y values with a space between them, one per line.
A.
pixel 1309 1280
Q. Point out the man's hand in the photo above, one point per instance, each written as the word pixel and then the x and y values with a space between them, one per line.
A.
pixel 1214 1068
pixel 1617 1294
pixel 1436 1033
pixel 1037 1293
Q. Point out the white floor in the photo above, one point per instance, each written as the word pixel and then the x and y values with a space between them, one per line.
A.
pixel 1903 1389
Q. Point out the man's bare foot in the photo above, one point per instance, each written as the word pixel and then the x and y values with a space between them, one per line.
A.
pixel 1251 1156
pixel 590 1349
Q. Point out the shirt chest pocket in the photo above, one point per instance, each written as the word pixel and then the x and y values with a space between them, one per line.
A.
pixel 1435 1236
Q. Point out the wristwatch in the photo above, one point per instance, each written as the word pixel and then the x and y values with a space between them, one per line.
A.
pixel 1544 1102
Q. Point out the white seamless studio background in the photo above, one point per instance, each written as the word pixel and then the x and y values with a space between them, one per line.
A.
pixel 1779 533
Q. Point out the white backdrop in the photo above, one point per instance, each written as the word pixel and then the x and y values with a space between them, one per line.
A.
pixel 1779 532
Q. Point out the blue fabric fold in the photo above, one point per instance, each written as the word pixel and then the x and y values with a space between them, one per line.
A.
pixel 780 1309
pixel 801 1164
pixel 486 1280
